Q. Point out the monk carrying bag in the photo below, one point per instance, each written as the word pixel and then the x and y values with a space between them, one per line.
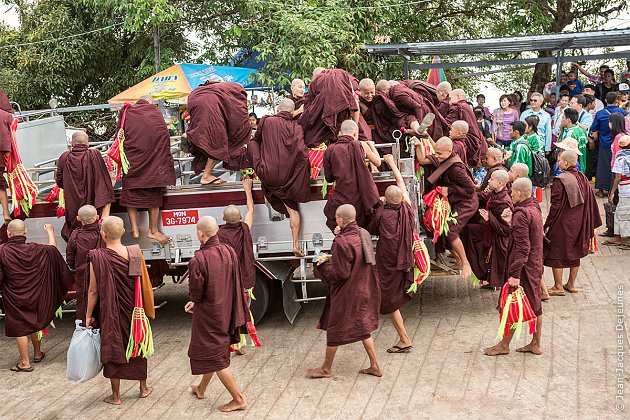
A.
pixel 84 355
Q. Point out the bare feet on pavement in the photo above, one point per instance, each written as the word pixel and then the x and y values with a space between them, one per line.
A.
pixel 195 389
pixel 372 371
pixel 111 400
pixel 145 392
pixel 233 406
pixel 530 348
pixel 496 350
pixel 318 373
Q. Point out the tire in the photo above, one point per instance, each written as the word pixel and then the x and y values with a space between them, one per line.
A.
pixel 262 293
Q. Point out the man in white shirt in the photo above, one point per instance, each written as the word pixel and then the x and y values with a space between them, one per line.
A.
pixel 544 119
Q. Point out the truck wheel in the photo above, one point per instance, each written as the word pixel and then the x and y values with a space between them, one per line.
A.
pixel 263 297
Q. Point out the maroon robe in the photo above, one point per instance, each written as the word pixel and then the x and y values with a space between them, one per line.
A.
pixel 525 250
pixel 386 117
pixel 344 164
pixel 393 223
pixel 84 178
pixel 219 125
pixel 486 243
pixel 297 101
pixel 6 138
pixel 486 179
pixel 34 280
pixel 459 149
pixel 444 107
pixel 351 312
pixel 366 111
pixel 440 127
pixel 572 220
pixel 476 145
pixel 148 149
pixel 220 307
pixel 238 236
pixel 329 102
pixel 461 192
pixel 81 242
pixel 280 159
pixel 116 295
pixel 408 102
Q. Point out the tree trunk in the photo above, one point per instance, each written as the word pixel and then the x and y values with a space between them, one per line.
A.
pixel 542 73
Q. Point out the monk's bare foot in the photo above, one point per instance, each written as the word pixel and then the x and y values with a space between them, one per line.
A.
pixel 318 373
pixel 111 400
pixel 569 289
pixel 374 371
pixel 555 292
pixel 211 180
pixel 145 392
pixel 158 236
pixel 466 271
pixel 135 233
pixel 496 350
pixel 195 389
pixel 233 406
pixel 239 352
pixel 530 348
pixel 298 252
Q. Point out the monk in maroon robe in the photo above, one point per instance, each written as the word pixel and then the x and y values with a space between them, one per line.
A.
pixel 297 96
pixel 353 296
pixel 524 265
pixel 219 128
pixel 219 311
pixel 406 101
pixel 458 133
pixel 386 118
pixel 81 242
pixel 486 242
pixel 571 223
pixel 443 91
pixel 476 146
pixel 453 176
pixel 428 92
pixel 113 272
pixel 6 138
pixel 493 162
pixel 34 280
pixel 83 176
pixel 148 150
pixel 394 225
pixel 280 159
pixel 344 164
pixel 367 89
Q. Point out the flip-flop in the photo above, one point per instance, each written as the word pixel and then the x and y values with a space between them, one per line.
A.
pixel 569 290
pixel 555 292
pixel 39 359
pixel 624 247
pixel 398 349
pixel 215 181
pixel 608 242
pixel 17 368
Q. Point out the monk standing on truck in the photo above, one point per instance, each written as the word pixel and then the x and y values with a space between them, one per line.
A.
pixel 219 128
pixel 344 164
pixel 6 138
pixel 280 159
pixel 353 297
pixel 83 176
pixel 34 280
pixel 113 271
pixel 218 309
pixel 147 147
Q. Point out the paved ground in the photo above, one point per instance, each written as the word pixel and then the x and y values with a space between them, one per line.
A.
pixel 445 375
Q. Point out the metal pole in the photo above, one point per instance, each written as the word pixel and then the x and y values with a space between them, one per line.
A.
pixel 559 62
pixel 406 69
pixel 156 48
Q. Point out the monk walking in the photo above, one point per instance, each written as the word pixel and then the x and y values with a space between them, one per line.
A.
pixel 218 309
pixel 453 176
pixel 353 297
pixel 81 242
pixel 219 128
pixel 280 159
pixel 113 271
pixel 34 280
pixel 524 266
pixel 571 223
pixel 476 145
pixel 492 162
pixel 344 164
pixel 486 243
pixel 6 139
pixel 394 225
pixel 83 176
pixel 148 149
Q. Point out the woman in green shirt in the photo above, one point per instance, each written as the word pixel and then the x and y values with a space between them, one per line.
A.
pixel 531 134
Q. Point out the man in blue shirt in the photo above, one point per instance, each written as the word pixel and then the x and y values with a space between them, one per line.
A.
pixel 544 119
pixel 585 120
pixel 600 131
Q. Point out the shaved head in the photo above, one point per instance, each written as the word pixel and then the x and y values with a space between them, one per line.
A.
pixel 493 157
pixel 87 214
pixel 347 213
pixel 208 226
pixel 348 128
pixel 317 71
pixel 522 186
pixel 393 195
pixel 383 86
pixel 570 157
pixel 367 89
pixel 444 87
pixel 501 176
pixel 113 227
pixel 297 82
pixel 518 170
pixel 366 84
pixel 232 214
pixel 297 88
pixel 286 105
pixel 80 137
pixel 458 95
pixel 147 98
pixel 16 227
pixel 461 125
pixel 443 148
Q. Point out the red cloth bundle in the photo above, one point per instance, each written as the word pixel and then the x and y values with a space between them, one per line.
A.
pixel 422 263
pixel 140 336
pixel 57 194
pixel 515 309
pixel 23 189
pixel 116 152
pixel 438 213
pixel 316 160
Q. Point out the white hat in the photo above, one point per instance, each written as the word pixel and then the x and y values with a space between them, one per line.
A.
pixel 569 144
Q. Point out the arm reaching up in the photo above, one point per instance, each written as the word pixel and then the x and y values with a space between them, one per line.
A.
pixel 400 183
pixel 248 184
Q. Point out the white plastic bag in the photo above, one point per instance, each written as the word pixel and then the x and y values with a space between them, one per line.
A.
pixel 84 354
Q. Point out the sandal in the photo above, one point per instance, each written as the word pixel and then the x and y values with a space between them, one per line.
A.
pixel 40 358
pixel 610 242
pixel 17 368
pixel 624 247
pixel 398 349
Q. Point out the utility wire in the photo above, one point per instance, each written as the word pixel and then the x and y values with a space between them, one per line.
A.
pixel 3 47
pixel 386 6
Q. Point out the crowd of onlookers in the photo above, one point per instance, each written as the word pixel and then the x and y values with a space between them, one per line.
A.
pixel 590 117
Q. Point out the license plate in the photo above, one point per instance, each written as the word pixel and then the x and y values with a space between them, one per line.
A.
pixel 180 217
